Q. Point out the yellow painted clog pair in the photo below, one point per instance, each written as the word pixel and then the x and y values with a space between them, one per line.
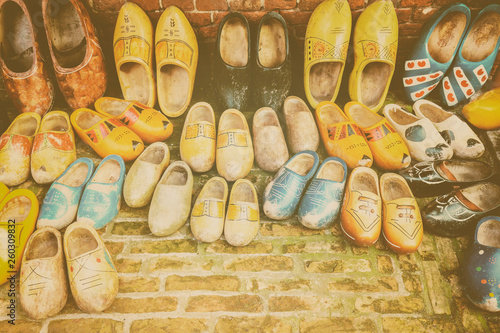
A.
pixel 176 50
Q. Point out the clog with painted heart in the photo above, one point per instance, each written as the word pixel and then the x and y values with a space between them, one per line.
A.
pixel 91 273
pixel 15 148
pixel 149 124
pixel 60 204
pixel 53 147
pixel 176 50
pixel 133 51
pixel 484 111
pixel 43 287
pixel 106 135
pixel 301 131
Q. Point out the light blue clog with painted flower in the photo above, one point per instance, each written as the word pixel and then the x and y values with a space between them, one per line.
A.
pixel 60 204
pixel 320 206
pixel 282 194
pixel 475 57
pixel 435 50
pixel 102 196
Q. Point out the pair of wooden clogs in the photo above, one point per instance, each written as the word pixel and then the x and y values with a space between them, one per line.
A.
pixel 176 52
pixel 44 146
pixel 91 273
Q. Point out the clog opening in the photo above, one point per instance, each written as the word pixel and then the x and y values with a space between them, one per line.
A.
pixel 363 116
pixel 215 189
pixel 17 44
pixel 294 105
pixel 173 88
pixel 434 113
pixel 374 80
pixel 24 126
pixel 87 119
pixel 114 107
pixel 243 193
pixel 201 113
pixel 56 123
pixel 272 44
pixel 488 233
pixel 177 176
pixel 75 176
pixel 464 171
pixel 231 121
pixel 135 80
pixel 486 196
pixel 364 181
pixel 266 118
pixel 332 170
pixel 234 43
pixel 445 37
pixel 331 114
pixel 395 188
pixel 323 80
pixel 16 209
pixel 301 164
pixel 401 117
pixel 108 173
pixel 43 245
pixel 80 241
pixel 482 38
pixel 66 33
pixel 154 155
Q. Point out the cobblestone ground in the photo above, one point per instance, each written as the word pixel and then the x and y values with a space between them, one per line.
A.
pixel 289 279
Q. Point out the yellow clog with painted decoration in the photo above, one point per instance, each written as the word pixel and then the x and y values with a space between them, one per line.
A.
pixel 18 214
pixel 242 218
pixel 15 148
pixel 133 50
pixel 375 43
pixel 106 135
pixel 326 44
pixel 388 148
pixel 149 124
pixel 176 50
pixel 53 147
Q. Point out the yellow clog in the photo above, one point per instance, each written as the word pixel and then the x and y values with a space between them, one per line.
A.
pixel 18 213
pixel 197 145
pixel 176 50
pixel 106 135
pixel 15 148
pixel 388 148
pixel 149 124
pixel 4 190
pixel 341 136
pixel 375 43
pixel 53 147
pixel 133 50
pixel 484 111
pixel 326 44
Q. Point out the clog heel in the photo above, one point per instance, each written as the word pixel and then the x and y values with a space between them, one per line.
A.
pixel 482 112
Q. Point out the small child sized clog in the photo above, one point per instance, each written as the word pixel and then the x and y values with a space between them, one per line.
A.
pixel 91 273
pixel 301 131
pixel 60 204
pixel 43 287
pixel 282 195
pixel 320 205
pixel 481 268
pixel 102 196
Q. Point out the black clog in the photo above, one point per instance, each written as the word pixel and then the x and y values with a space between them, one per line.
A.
pixel 458 212
pixel 231 69
pixel 430 179
pixel 272 74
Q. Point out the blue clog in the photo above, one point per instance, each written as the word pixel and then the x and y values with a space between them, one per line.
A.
pixel 435 50
pixel 482 265
pixel 320 206
pixel 102 196
pixel 60 204
pixel 283 193
pixel 475 57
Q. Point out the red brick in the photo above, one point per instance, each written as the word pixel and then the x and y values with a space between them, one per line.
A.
pixel 356 4
pixel 419 3
pixel 253 17
pixel 148 5
pixel 280 4
pixel 410 29
pixel 208 32
pixel 107 5
pixel 404 14
pixel 185 5
pixel 395 2
pixel 310 4
pixel 443 2
pixel 423 14
pixel 293 17
pixel 199 19
pixel 245 4
pixel 209 5
pixel 218 16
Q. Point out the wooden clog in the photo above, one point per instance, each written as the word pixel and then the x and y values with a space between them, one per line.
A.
pixel 301 131
pixel 482 112
pixel 133 50
pixel 43 287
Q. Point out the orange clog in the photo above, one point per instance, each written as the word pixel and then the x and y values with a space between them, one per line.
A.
pixel 106 135
pixel 149 124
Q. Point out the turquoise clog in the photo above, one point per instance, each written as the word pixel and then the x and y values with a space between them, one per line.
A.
pixel 434 51
pixel 321 204
pixel 283 193
pixel 60 204
pixel 102 196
